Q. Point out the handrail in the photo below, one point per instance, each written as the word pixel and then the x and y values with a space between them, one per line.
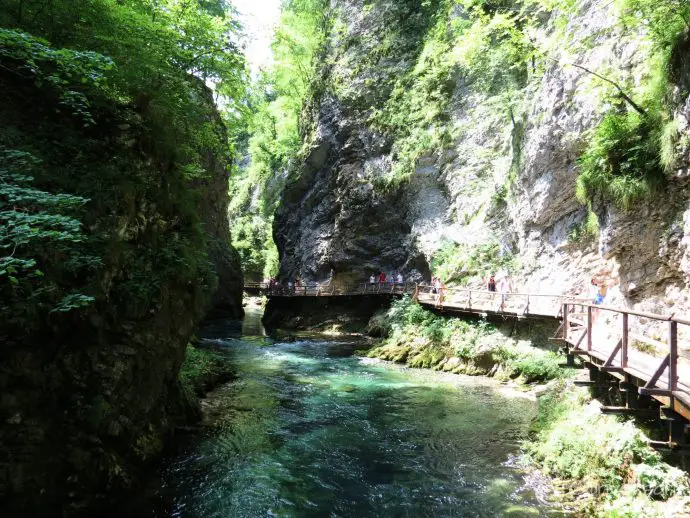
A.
pixel 387 288
pixel 646 367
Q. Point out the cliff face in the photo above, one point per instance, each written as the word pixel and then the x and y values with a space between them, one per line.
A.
pixel 495 175
pixel 90 396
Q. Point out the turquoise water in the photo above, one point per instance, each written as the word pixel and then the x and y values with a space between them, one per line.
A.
pixel 308 430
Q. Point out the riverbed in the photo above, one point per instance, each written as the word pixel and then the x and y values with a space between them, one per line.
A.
pixel 308 429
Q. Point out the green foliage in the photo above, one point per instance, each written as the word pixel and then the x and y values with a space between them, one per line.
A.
pixel 39 233
pixel 69 73
pixel 199 368
pixel 271 134
pixel 575 441
pixel 178 36
pixel 587 230
pixel 458 262
pixel 488 50
pixel 421 339
pixel 659 480
pixel 666 20
pixel 415 111
pixel 630 152
pixel 622 161
pixel 113 109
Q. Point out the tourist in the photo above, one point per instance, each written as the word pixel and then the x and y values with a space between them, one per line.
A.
pixel 441 292
pixel 400 278
pixel 601 296
pixel 492 283
pixel 372 279
pixel 391 278
pixel 595 293
pixel 382 278
pixel 504 288
pixel 596 296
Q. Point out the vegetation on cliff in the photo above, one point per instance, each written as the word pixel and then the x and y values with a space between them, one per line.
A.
pixel 633 148
pixel 202 370
pixel 92 88
pixel 419 338
pixel 272 132
pixel 113 192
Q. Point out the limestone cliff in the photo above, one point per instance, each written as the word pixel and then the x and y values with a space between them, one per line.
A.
pixel 90 396
pixel 491 152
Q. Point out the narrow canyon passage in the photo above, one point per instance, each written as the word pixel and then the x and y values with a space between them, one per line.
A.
pixel 308 429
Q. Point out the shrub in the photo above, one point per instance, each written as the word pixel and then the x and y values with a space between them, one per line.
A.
pixel 200 367
pixel 662 481
pixel 575 441
pixel 622 162
pixel 453 261
pixel 422 339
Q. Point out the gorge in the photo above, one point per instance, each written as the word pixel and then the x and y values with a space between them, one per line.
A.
pixel 148 169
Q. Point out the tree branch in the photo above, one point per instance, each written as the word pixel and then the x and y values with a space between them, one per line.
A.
pixel 623 95
pixel 621 92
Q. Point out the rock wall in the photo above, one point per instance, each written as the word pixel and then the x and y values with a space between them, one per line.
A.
pixel 89 398
pixel 337 216
pixel 343 314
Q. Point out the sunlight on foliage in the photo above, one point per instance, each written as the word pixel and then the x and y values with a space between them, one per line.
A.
pixel 271 135
pixel 605 455
pixel 419 338
pixel 465 263
pixel 630 153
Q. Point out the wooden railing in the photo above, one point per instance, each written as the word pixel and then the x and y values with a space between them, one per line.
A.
pixel 615 338
pixel 517 304
pixel 328 289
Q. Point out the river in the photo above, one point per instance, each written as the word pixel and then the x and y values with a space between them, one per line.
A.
pixel 310 430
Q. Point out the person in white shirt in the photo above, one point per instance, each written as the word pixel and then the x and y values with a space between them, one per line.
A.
pixel 400 278
pixel 504 289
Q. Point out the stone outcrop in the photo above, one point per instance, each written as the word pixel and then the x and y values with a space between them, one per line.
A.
pixel 336 215
pixel 88 398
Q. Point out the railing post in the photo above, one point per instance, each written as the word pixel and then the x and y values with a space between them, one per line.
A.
pixel 624 342
pixel 673 356
pixel 469 299
pixel 565 322
pixel 527 306
pixel 589 328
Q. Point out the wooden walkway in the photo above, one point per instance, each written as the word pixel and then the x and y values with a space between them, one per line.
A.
pixel 647 355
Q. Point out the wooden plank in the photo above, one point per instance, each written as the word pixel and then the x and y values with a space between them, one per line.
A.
pixel 624 341
pixel 589 329
pixel 673 355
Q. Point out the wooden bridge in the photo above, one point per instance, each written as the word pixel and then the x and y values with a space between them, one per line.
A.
pixel 645 356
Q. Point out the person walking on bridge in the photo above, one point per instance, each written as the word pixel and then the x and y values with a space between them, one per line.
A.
pixel 441 287
pixel 504 288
